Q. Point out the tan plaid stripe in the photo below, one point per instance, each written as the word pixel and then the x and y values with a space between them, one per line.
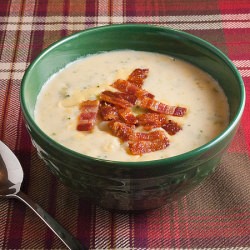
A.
pixel 54 26
pixel 117 13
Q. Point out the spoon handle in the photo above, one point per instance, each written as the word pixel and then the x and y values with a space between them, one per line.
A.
pixel 69 241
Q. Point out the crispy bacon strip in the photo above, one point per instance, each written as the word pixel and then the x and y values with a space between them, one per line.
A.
pixel 108 112
pixel 121 130
pixel 127 115
pixel 128 97
pixel 114 98
pixel 142 147
pixel 160 107
pixel 171 127
pixel 155 120
pixel 137 77
pixel 130 88
pixel 151 136
pixel 87 117
pixel 152 120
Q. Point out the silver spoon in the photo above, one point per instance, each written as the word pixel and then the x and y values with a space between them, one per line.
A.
pixel 11 177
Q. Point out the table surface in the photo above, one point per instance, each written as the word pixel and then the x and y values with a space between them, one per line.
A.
pixel 215 215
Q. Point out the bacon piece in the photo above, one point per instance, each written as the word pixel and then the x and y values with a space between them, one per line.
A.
pixel 128 97
pixel 114 98
pixel 172 127
pixel 127 115
pixel 130 88
pixel 152 120
pixel 87 117
pixel 160 107
pixel 155 120
pixel 142 147
pixel 151 136
pixel 108 112
pixel 121 130
pixel 137 77
pixel 180 111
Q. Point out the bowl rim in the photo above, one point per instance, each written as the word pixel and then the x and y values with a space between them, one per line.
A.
pixel 137 164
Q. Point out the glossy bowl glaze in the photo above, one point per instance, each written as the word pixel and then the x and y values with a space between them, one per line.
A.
pixel 132 185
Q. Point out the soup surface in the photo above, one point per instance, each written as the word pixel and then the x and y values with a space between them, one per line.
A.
pixel 171 81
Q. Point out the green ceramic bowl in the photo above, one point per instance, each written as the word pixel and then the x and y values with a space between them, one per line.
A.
pixel 132 185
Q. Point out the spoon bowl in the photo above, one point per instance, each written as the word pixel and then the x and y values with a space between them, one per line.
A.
pixel 11 177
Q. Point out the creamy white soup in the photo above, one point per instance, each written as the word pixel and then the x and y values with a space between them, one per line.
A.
pixel 170 80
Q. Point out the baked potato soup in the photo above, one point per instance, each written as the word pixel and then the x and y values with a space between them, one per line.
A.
pixel 131 106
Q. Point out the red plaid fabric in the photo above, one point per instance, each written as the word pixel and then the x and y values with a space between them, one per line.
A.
pixel 216 215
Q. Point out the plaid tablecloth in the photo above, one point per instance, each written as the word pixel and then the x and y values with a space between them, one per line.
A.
pixel 216 215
